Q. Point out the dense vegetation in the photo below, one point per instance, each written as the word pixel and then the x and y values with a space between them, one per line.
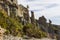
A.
pixel 33 31
pixel 15 28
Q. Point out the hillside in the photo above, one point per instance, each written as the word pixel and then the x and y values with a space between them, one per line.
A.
pixel 16 28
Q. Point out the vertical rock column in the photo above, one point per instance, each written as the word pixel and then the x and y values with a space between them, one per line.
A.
pixel 8 10
pixel 50 30
pixel 32 17
pixel 28 18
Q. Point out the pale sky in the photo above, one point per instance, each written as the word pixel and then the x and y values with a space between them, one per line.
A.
pixel 49 8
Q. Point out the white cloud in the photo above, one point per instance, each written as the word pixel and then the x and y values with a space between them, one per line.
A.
pixel 23 2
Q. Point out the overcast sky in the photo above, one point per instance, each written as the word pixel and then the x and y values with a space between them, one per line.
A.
pixel 49 8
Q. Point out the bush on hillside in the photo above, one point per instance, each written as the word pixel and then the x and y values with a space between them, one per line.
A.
pixel 11 25
pixel 33 31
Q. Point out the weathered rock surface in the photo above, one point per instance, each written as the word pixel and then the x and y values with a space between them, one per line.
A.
pixel 10 37
pixel 1 33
